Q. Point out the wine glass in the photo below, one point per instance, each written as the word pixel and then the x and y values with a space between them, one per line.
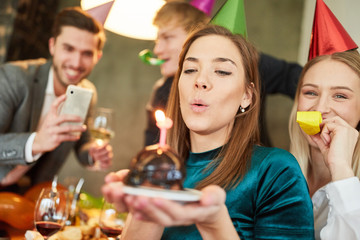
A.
pixel 111 221
pixel 102 128
pixel 51 211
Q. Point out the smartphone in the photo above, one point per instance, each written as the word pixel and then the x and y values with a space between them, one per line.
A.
pixel 77 102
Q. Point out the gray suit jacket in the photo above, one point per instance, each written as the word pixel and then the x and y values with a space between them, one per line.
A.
pixel 22 91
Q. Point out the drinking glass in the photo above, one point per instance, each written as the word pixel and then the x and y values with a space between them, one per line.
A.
pixel 102 128
pixel 51 211
pixel 111 221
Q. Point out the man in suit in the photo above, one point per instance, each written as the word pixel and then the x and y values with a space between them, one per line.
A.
pixel 33 141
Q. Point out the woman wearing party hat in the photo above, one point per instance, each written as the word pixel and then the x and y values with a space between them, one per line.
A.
pixel 330 160
pixel 247 191
pixel 175 20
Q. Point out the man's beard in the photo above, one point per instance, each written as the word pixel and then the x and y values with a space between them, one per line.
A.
pixel 58 77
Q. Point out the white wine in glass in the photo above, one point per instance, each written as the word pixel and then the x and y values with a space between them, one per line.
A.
pixel 51 211
pixel 102 125
pixel 101 129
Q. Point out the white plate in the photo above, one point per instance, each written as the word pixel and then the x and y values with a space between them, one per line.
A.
pixel 186 195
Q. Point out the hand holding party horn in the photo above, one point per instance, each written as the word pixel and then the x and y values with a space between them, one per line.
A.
pixel 309 121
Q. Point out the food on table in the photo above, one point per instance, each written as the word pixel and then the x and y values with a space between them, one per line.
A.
pixel 16 210
pixel 82 231
pixel 309 121
pixel 34 192
pixel 33 235
pixel 88 201
pixel 157 167
pixel 69 233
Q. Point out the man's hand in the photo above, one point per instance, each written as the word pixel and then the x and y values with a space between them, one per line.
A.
pixel 102 155
pixel 51 133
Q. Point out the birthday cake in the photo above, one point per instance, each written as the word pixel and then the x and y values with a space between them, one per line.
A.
pixel 156 166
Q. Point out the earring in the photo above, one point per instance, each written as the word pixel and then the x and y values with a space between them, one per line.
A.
pixel 242 109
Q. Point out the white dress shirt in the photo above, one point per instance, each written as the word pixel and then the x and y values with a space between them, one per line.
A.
pixel 337 210
pixel 48 100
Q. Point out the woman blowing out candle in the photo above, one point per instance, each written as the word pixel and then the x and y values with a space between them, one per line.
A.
pixel 248 191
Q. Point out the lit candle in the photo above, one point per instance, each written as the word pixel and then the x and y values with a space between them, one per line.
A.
pixel 163 124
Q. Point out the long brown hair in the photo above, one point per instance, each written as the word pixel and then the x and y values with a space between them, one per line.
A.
pixel 299 147
pixel 231 163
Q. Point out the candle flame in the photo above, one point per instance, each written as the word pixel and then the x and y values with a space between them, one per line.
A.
pixel 99 142
pixel 159 116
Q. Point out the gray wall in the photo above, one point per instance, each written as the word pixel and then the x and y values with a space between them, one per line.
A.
pixel 124 83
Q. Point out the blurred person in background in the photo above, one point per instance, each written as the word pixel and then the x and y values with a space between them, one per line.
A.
pixel 175 20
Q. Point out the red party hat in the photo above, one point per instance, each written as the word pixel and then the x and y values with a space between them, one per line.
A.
pixel 328 35
pixel 101 12
pixel 204 5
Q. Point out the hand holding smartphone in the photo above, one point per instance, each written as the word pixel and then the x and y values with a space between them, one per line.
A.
pixel 77 102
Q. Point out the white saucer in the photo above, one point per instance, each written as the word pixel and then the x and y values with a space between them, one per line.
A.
pixel 186 195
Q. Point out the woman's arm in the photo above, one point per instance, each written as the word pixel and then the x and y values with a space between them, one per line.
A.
pixel 337 142
pixel 134 228
pixel 210 215
pixel 148 216
pixel 283 204
pixel 140 230
pixel 221 229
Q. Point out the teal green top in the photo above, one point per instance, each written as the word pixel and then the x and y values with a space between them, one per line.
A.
pixel 271 202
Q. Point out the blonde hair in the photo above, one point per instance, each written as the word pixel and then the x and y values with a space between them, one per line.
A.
pixel 181 14
pixel 232 162
pixel 299 147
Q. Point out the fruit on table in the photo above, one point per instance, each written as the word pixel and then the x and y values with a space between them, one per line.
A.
pixel 309 121
pixel 34 192
pixel 88 201
pixel 16 210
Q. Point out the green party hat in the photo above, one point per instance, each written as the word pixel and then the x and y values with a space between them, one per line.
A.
pixel 232 16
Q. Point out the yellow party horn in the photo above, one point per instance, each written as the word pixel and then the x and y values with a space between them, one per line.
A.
pixel 309 121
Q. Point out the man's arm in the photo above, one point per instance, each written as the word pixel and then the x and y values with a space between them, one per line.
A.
pixel 278 76
pixel 13 132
